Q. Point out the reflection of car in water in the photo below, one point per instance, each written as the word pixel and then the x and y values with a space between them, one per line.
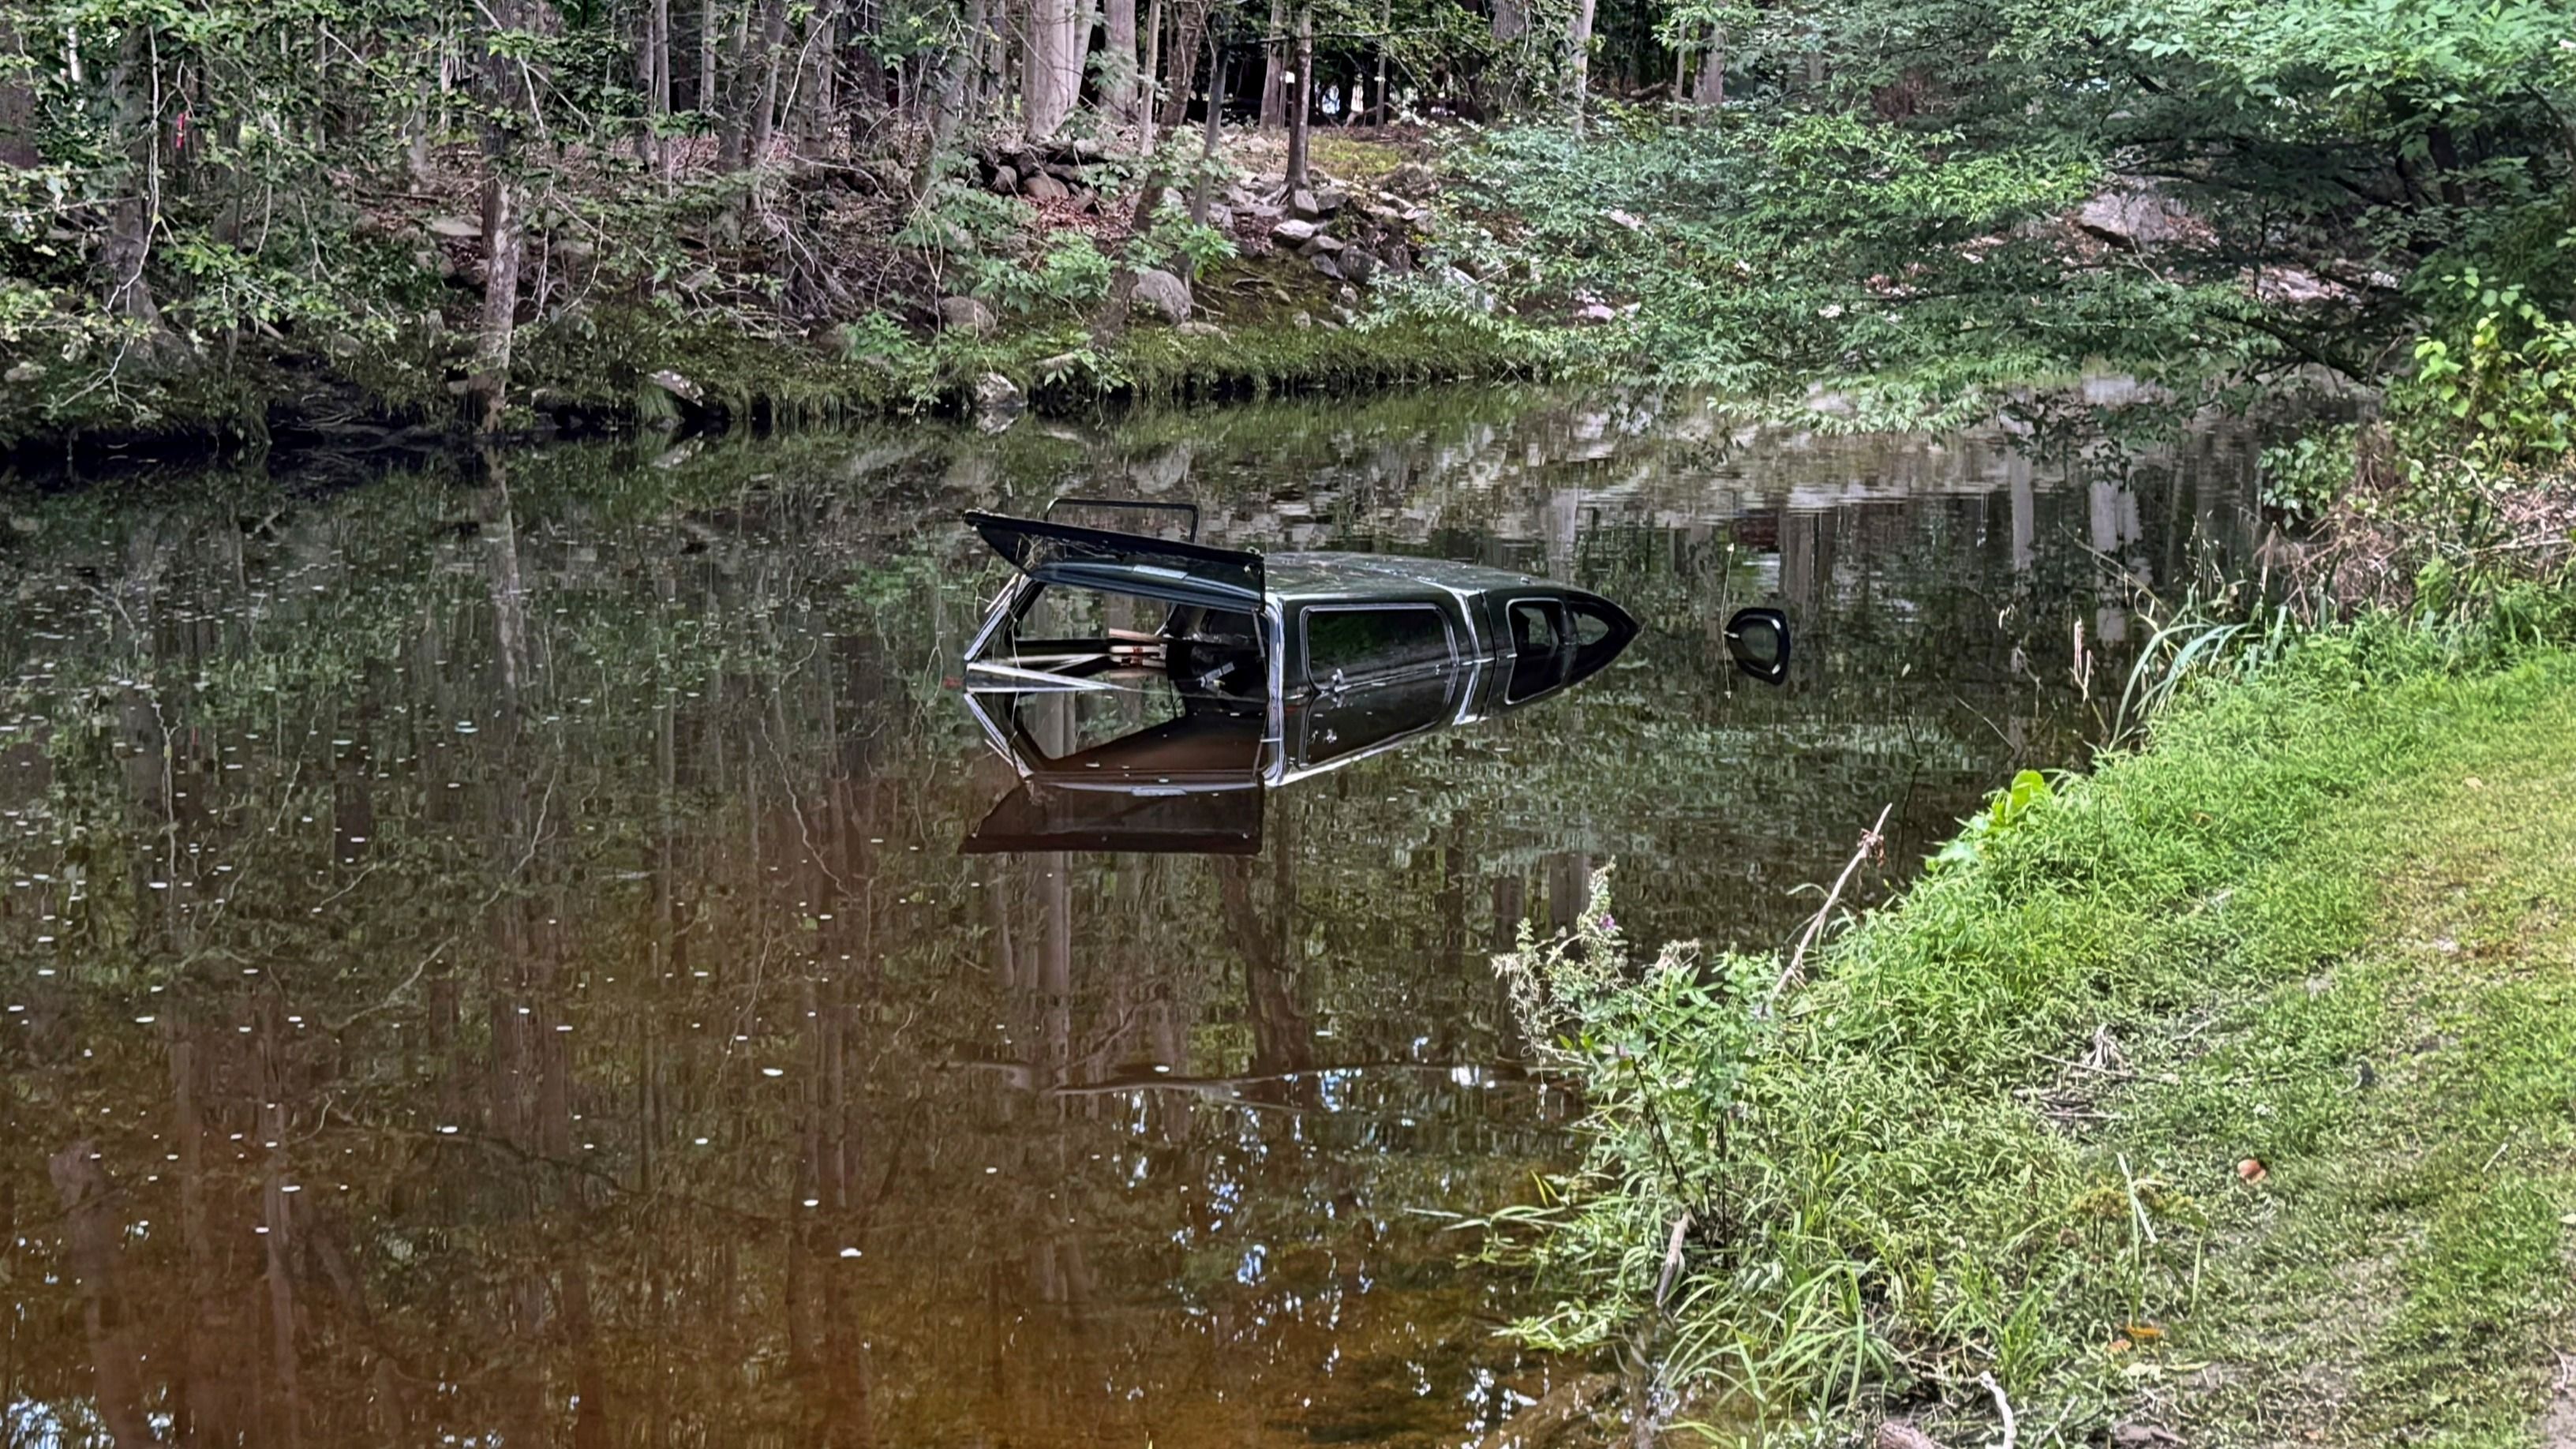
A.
pixel 1148 690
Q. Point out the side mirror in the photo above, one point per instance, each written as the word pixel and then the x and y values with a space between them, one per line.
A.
pixel 1759 641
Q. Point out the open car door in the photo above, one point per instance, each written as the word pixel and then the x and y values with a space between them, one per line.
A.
pixel 1174 571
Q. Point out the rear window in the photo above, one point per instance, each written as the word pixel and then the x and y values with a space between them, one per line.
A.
pixel 1359 642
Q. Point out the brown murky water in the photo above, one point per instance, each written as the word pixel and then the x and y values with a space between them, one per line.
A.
pixel 487 961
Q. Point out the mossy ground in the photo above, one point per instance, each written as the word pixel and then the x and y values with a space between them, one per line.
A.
pixel 1280 327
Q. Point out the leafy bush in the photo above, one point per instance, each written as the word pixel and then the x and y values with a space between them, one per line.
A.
pixel 2499 390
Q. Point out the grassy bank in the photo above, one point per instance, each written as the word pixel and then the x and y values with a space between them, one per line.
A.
pixel 2228 1092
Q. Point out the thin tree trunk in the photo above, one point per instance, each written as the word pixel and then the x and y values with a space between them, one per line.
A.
pixel 772 61
pixel 657 98
pixel 490 381
pixel 1379 110
pixel 1146 110
pixel 1301 94
pixel 1118 86
pixel 707 57
pixel 1202 190
pixel 1274 68
pixel 949 105
pixel 1578 36
pixel 1189 24
pixel 17 103
pixel 1511 20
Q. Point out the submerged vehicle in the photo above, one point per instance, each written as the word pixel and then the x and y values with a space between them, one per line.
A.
pixel 1148 690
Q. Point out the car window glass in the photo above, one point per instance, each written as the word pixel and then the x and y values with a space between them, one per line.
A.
pixel 1356 643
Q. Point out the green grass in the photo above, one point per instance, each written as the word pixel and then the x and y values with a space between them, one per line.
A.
pixel 2001 1132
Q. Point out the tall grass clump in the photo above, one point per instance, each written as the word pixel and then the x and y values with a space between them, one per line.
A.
pixel 1900 1179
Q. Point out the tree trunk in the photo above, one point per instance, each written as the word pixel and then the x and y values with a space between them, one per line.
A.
pixel 657 97
pixel 1274 70
pixel 503 95
pixel 490 383
pixel 1202 188
pixel 1189 25
pixel 1511 21
pixel 1146 110
pixel 1711 90
pixel 1578 68
pixel 949 104
pixel 1301 93
pixel 134 89
pixel 1118 83
pixel 1379 110
pixel 772 61
pixel 17 103
pixel 707 29
pixel 1052 80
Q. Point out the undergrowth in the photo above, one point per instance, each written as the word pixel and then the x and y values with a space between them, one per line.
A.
pixel 1919 1170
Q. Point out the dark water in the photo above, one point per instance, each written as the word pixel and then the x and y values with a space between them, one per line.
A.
pixel 487 960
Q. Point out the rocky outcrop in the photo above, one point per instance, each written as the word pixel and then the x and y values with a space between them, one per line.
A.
pixel 2140 215
pixel 998 402
pixel 1167 294
pixel 966 315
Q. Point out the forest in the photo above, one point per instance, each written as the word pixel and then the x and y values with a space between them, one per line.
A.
pixel 306 217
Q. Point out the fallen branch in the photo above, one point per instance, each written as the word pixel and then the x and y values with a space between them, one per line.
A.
pixel 2003 1406
pixel 1870 840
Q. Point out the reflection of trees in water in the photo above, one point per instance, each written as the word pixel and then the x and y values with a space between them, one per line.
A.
pixel 489 843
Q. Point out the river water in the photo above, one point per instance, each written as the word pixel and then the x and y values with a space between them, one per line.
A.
pixel 488 960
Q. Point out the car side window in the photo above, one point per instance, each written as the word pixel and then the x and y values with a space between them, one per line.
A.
pixel 1363 641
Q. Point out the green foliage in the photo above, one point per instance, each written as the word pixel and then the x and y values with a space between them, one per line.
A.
pixel 2028 788
pixel 1173 239
pixel 1992 1135
pixel 2501 389
pixel 2305 476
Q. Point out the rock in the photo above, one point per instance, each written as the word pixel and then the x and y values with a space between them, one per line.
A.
pixel 1323 262
pixel 1316 205
pixel 2295 285
pixel 455 228
pixel 1411 178
pixel 1220 217
pixel 677 386
pixel 1294 233
pixel 1199 329
pixel 1302 321
pixel 1321 244
pixel 1897 1434
pixel 1595 312
pixel 1042 188
pixel 967 315
pixel 343 346
pixel 24 373
pixel 998 402
pixel 1069 175
pixel 2139 215
pixel 1357 263
pixel 1165 293
pixel 1005 181
pixel 1261 210
pixel 1349 297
